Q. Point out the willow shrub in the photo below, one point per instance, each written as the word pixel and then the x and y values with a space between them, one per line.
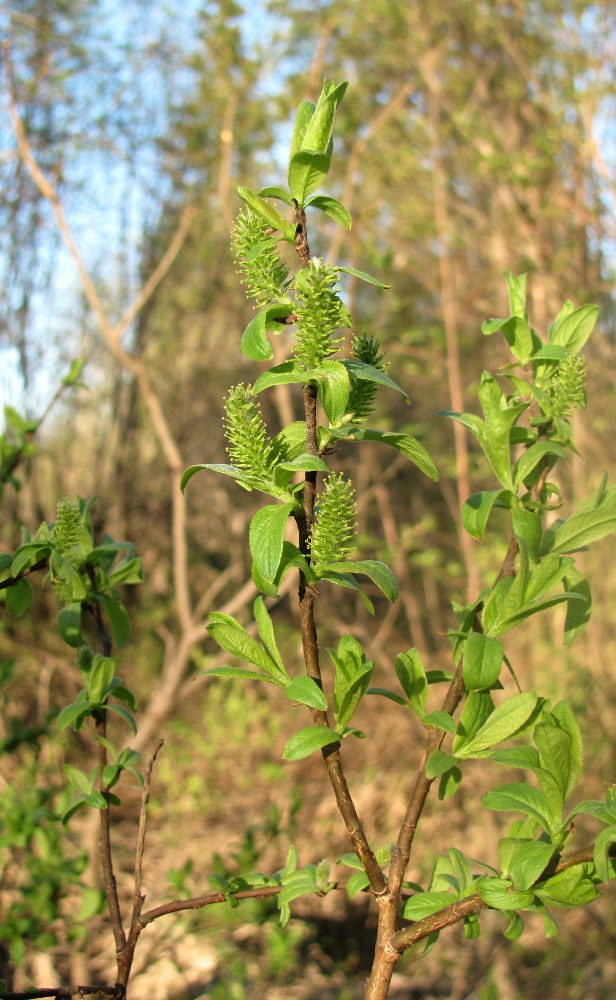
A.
pixel 464 714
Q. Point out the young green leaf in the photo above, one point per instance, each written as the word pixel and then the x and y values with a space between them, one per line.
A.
pixel 449 783
pixel 526 799
pixel 528 862
pixel 477 710
pixel 378 572
pixel 334 388
pixel 307 740
pixel 101 675
pixel 266 211
pixel 477 509
pixel 119 622
pixel 307 692
pixel 357 369
pixel 277 192
pixel 233 638
pixel 573 330
pixel 594 519
pixel 331 207
pixel 604 862
pixel 440 720
pixel 424 904
pixel 438 763
pixel 266 536
pixel 307 171
pixel 78 779
pixel 318 134
pixel 19 597
pixel 531 458
pixel 74 713
pixel 516 288
pixel 235 673
pixel 266 632
pixel 499 894
pixel 288 373
pixel 357 883
pixel 578 611
pixel 353 674
pixel 127 572
pixel 303 118
pixel 362 276
pixel 502 724
pixel 412 676
pixel 571 887
pixel 482 662
pixel 404 443
pixel 255 343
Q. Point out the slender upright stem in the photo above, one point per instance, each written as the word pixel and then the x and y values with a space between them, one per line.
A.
pixel 310 643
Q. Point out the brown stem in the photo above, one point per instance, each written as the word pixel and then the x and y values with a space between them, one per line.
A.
pixel 104 843
pixel 12 580
pixel 125 958
pixel 301 236
pixel 198 902
pixel 310 643
pixel 386 954
pixel 62 992
pixel 453 914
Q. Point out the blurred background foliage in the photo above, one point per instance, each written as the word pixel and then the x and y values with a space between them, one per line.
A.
pixel 475 138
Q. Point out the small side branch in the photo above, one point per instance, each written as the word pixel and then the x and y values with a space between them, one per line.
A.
pixel 470 906
pixel 67 991
pixel 310 644
pixel 104 845
pixel 12 580
pixel 143 812
pixel 126 955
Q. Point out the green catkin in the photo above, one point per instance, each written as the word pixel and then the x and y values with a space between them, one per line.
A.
pixel 67 529
pixel 320 315
pixel 256 254
pixel 361 398
pixel 66 534
pixel 568 388
pixel 249 448
pixel 334 529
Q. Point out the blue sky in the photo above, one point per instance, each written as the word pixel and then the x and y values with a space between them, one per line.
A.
pixel 109 193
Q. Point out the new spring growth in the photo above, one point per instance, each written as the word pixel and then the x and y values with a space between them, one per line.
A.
pixel 66 532
pixel 320 314
pixel 361 398
pixel 256 254
pixel 84 660
pixel 334 530
pixel 249 448
pixel 568 388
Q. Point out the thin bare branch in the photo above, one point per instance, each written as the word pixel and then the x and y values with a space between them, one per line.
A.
pixel 198 902
pixel 104 844
pixel 145 293
pixel 143 815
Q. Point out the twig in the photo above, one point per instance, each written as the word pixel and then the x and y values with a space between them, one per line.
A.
pixel 126 955
pixel 331 753
pixel 453 914
pixel 198 902
pixel 66 991
pixel 12 580
pixel 104 843
pixel 145 798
